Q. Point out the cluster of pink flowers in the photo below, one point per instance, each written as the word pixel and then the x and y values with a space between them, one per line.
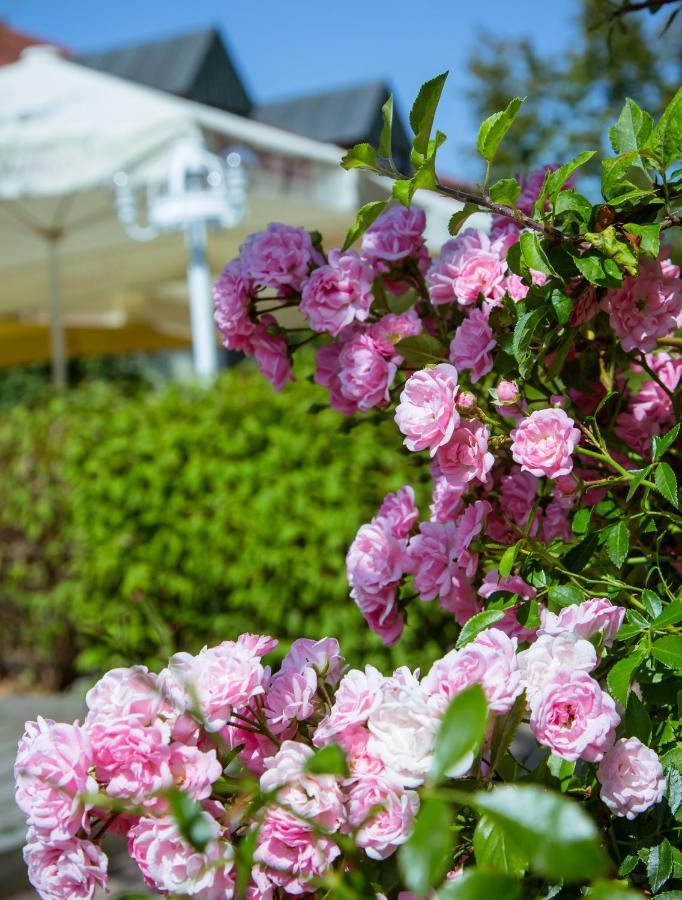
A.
pixel 145 735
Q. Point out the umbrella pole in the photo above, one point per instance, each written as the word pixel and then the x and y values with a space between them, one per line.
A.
pixel 204 350
pixel 57 341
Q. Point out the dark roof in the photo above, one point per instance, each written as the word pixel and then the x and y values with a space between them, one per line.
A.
pixel 344 116
pixel 195 65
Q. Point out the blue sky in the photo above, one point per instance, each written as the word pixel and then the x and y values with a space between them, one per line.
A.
pixel 285 47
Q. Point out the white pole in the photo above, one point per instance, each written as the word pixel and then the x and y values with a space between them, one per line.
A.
pixel 57 341
pixel 204 350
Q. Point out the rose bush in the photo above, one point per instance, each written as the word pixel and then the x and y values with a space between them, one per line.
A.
pixel 534 374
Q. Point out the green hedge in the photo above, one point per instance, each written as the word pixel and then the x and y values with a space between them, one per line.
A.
pixel 132 526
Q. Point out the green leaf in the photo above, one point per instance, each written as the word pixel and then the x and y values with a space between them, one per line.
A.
pixel 424 858
pixel 581 520
pixel 597 270
pixel 659 866
pixel 632 129
pixel 652 602
pixel 671 615
pixel 666 483
pixel 386 131
pixel 360 156
pixel 459 218
pixel 194 824
pixel 493 850
pixel 461 733
pixel 524 331
pixel 565 594
pixel 507 560
pixel 558 837
pixel 673 789
pixel 495 127
pixel 562 770
pixel 504 729
pixel 366 215
pixel 618 544
pixel 649 237
pixel 579 556
pixel 662 444
pixel 666 138
pixel 403 190
pixel 562 305
pixel 330 760
pixel 639 476
pixel 478 623
pixel 534 255
pixel 668 650
pixel 571 201
pixel 505 191
pixel 474 885
pixel 421 350
pixel 423 113
pixel 637 722
pixel 612 890
pixel 558 178
pixel 621 675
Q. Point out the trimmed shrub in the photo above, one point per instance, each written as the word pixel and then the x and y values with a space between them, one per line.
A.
pixel 136 524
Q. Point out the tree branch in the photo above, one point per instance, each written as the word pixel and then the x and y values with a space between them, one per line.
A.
pixel 638 6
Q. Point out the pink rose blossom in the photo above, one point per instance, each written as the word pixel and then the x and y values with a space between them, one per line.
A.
pixel 434 552
pixel 470 265
pixel 290 697
pixel 51 771
pixel 272 354
pixel 507 391
pixel 489 660
pixel 380 611
pixel 313 797
pixel 171 865
pixel 548 655
pixel 543 443
pixel 395 235
pixel 133 693
pixel 231 299
pixel 365 375
pixel 470 348
pixel 574 717
pixel 376 558
pixel 194 771
pixel 392 328
pixel 328 367
pixel 290 854
pixel 597 616
pixel 446 497
pixel 645 308
pixel 356 697
pixel 631 778
pixel 426 414
pixel 68 870
pixel 555 520
pixel 218 679
pixel 585 307
pixel 278 257
pixel 323 655
pixel 513 584
pixel 384 831
pixel 465 457
pixel 337 294
pixel 134 760
pixel 399 511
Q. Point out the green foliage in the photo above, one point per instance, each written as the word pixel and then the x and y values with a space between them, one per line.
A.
pixel 423 859
pixel 461 732
pixel 136 525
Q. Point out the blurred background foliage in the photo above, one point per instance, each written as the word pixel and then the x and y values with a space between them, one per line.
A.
pixel 137 520
pixel 575 96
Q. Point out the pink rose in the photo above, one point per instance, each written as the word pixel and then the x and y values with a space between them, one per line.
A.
pixel 470 348
pixel 327 375
pixel 355 698
pixel 380 611
pixel 631 778
pixel 543 443
pixel 645 308
pixel 391 328
pixel 134 760
pixel 399 511
pixel 513 584
pixel 272 354
pixel 555 521
pixel 231 300
pixel 489 660
pixel 51 771
pixel 507 391
pixel 290 697
pixel 376 558
pixel 313 797
pixel 70 870
pixel 446 497
pixel 217 680
pixel 339 293
pixel 548 655
pixel 426 414
pixel 290 854
pixel 434 552
pixel 132 693
pixel 194 771
pixel 574 717
pixel 597 616
pixel 365 375
pixel 324 656
pixel 465 457
pixel 382 831
pixel 279 257
pixel 395 235
pixel 171 865
pixel 469 265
